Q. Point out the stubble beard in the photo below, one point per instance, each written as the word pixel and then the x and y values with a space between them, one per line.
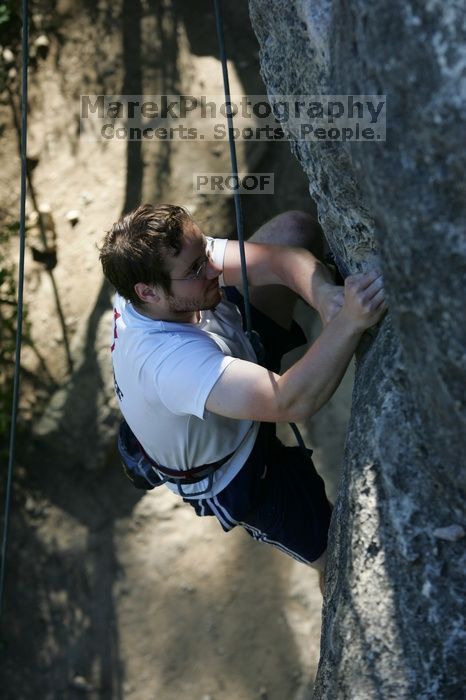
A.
pixel 183 305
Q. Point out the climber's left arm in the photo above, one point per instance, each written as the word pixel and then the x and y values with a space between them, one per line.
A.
pixel 294 267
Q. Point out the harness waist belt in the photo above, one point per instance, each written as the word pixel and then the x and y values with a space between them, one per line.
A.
pixel 189 476
pixel 145 473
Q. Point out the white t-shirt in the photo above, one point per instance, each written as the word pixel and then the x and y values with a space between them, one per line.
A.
pixel 164 372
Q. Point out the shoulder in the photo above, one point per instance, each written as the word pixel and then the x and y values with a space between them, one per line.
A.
pixel 173 345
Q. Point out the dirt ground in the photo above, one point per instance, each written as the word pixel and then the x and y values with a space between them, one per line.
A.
pixel 111 593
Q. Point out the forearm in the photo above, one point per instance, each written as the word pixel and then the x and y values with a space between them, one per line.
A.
pixel 299 270
pixel 296 268
pixel 309 384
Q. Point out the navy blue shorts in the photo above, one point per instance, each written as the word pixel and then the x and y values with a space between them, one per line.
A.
pixel 278 496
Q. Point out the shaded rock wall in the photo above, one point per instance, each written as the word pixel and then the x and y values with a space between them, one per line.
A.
pixel 393 613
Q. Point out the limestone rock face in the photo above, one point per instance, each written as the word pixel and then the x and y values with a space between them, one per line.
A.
pixel 394 622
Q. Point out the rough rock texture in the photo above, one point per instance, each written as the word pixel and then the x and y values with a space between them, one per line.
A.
pixel 393 614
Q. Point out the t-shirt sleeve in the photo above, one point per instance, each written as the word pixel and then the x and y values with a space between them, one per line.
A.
pixel 216 247
pixel 185 377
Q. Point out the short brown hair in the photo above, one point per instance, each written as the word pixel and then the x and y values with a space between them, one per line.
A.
pixel 135 248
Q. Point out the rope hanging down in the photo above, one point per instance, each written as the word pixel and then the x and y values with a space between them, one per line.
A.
pixel 19 319
pixel 252 335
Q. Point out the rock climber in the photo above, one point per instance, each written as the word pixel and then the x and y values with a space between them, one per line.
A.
pixel 195 400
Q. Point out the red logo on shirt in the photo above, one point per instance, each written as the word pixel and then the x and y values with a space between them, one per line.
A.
pixel 116 316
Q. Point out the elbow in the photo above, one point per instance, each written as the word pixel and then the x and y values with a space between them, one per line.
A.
pixel 297 411
pixel 301 413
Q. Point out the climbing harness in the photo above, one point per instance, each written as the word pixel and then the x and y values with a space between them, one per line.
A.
pixel 145 473
pixel 19 319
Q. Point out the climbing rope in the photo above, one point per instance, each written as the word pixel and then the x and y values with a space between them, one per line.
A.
pixel 19 319
pixel 252 334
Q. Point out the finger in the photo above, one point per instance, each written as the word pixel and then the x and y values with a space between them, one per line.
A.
pixel 374 288
pixel 384 305
pixel 370 278
pixel 362 280
pixel 377 299
pixel 381 310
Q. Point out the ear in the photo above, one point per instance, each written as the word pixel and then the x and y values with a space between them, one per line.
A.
pixel 145 293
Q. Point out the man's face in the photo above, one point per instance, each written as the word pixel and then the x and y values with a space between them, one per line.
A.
pixel 194 285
